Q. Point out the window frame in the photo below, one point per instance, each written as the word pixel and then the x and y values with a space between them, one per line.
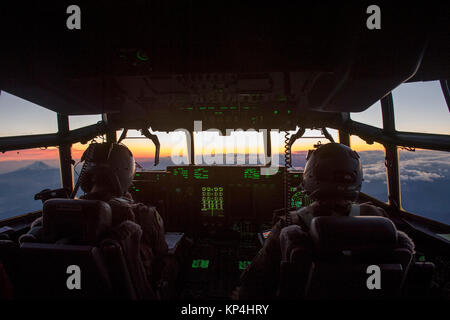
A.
pixel 65 137
pixel 387 137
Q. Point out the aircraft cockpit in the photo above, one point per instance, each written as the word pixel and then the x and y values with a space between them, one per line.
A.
pixel 221 109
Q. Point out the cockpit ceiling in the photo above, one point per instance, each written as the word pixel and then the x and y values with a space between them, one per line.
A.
pixel 137 59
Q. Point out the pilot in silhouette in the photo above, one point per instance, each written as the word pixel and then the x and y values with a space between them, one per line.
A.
pixel 109 175
pixel 332 178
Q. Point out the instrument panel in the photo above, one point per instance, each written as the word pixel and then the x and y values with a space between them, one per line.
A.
pixel 212 198
pixel 223 209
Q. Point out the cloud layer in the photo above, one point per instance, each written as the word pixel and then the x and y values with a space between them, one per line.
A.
pixel 422 165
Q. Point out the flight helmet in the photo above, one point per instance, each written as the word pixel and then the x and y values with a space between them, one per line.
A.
pixel 332 171
pixel 111 165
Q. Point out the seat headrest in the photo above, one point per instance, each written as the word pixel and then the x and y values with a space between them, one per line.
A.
pixel 84 220
pixel 355 234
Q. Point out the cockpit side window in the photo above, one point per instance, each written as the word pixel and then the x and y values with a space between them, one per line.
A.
pixel 371 116
pixel 23 173
pixel 19 117
pixel 76 122
pixel 425 181
pixel 424 174
pixel 374 169
pixel 421 107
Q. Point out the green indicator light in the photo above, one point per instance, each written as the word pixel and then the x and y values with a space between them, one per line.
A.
pixel 289 111
pixel 195 264
pixel 233 108
pixel 275 112
pixel 202 108
pixel 141 56
pixel 190 108
pixel 296 200
pixel 138 174
pixel 252 173
pixel 212 201
pixel 245 108
pixel 243 264
pixel 299 199
pixel 224 108
pixel 200 263
pixel 204 264
pixel 137 190
pixel 181 171
pixel 201 173
pixel 218 112
pixel 211 108
pixel 422 258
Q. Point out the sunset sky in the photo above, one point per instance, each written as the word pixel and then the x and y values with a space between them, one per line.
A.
pixel 420 107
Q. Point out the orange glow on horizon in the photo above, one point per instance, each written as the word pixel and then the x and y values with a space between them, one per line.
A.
pixel 144 149
pixel 30 154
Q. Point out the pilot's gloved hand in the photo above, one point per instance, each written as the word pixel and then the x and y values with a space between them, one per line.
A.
pixel 35 234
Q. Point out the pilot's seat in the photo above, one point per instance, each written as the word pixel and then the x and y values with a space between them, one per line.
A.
pixel 73 233
pixel 342 257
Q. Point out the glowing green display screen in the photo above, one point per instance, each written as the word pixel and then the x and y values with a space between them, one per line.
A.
pixel 200 264
pixel 243 264
pixel 252 173
pixel 181 172
pixel 296 200
pixel 201 173
pixel 299 200
pixel 212 201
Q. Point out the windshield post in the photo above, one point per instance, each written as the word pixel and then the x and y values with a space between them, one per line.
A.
pixel 393 173
pixel 344 136
pixel 65 155
pixel 191 144
pixel 111 135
